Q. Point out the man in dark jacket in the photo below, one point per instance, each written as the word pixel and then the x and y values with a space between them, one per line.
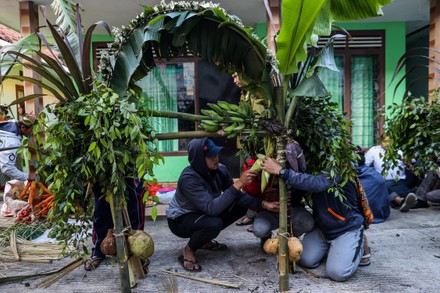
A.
pixel 207 201
pixel 339 223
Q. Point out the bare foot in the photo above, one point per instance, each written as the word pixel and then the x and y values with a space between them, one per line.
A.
pixel 190 260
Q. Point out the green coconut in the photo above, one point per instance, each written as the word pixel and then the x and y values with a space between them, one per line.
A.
pixel 141 244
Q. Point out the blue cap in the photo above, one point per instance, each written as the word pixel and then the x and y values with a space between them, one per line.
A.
pixel 211 150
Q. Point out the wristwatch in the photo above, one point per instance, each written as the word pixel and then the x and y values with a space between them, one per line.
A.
pixel 282 172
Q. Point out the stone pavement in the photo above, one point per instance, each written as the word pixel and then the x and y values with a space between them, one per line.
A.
pixel 405 258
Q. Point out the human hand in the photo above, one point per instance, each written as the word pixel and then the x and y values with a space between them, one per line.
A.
pixel 271 166
pixel 271 206
pixel 31 177
pixel 245 179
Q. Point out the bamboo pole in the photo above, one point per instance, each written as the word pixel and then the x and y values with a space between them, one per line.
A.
pixel 283 254
pixel 201 134
pixel 121 248
pixel 209 281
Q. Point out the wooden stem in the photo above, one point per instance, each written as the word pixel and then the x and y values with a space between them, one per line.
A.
pixel 121 248
pixel 283 252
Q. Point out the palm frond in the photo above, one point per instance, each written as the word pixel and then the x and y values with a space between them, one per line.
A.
pixel 66 10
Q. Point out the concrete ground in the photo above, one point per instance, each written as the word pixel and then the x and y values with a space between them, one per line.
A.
pixel 405 258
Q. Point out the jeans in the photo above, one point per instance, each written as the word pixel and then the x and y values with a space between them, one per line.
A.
pixel 344 252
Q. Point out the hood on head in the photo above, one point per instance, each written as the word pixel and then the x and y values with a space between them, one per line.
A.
pixel 198 150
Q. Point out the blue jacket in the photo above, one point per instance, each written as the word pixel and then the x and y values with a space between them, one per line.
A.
pixel 333 216
pixel 377 192
pixel 202 190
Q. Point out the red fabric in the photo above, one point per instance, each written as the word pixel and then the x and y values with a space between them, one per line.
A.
pixel 153 188
pixel 254 188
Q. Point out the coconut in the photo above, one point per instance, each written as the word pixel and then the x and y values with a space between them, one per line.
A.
pixel 108 245
pixel 295 248
pixel 141 244
pixel 271 246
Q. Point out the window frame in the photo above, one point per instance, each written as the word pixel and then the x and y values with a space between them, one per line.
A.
pixel 347 53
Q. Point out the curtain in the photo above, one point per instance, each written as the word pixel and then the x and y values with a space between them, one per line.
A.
pixel 362 100
pixel 334 81
pixel 161 86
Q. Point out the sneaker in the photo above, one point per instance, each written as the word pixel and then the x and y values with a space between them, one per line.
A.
pixel 420 204
pixel 409 202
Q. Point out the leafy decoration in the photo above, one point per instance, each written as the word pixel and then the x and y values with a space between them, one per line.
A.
pixel 413 128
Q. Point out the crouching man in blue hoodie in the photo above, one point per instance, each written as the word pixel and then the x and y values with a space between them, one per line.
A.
pixel 207 201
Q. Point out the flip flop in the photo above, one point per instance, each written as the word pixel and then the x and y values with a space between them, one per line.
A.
pixel 214 246
pixel 366 259
pixel 182 261
pixel 250 229
pixel 93 263
pixel 244 221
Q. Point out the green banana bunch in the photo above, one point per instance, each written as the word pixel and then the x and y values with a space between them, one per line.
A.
pixel 230 128
pixel 210 125
pixel 216 108
pixel 224 105
pixel 231 117
pixel 212 114
pixel 234 128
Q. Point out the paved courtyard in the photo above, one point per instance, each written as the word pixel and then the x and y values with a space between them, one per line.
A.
pixel 405 258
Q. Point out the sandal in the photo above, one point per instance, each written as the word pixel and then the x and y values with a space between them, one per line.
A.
pixel 244 221
pixel 93 263
pixel 214 246
pixel 366 259
pixel 182 261
pixel 250 229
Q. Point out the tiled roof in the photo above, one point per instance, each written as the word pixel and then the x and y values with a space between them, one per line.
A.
pixel 8 34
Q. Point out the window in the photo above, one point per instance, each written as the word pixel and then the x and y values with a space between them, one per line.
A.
pixel 171 87
pixel 97 50
pixel 357 87
pixel 185 86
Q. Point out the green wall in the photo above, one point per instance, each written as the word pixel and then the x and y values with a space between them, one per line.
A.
pixel 170 171
pixel 395 47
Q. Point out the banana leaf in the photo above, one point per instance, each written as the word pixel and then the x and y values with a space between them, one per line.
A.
pixel 303 20
pixel 310 87
pixel 209 33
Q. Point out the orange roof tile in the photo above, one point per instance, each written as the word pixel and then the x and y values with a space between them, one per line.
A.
pixel 9 35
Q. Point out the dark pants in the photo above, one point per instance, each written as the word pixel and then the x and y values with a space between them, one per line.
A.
pixel 103 217
pixel 201 228
pixel 398 188
pixel 431 182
